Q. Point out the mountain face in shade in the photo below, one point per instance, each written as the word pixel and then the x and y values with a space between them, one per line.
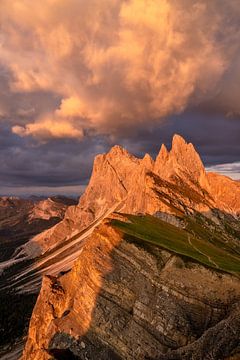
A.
pixel 20 220
pixel 156 246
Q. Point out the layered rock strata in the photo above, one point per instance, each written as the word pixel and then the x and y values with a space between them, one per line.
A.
pixel 121 301
pixel 127 301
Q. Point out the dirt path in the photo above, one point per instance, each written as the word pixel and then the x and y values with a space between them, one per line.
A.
pixel 200 252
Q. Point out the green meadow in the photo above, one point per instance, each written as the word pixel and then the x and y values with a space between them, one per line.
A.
pixel 194 242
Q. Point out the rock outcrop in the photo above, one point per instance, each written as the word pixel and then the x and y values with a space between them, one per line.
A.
pixel 181 162
pixel 226 192
pixel 125 302
pixel 131 185
pixel 20 219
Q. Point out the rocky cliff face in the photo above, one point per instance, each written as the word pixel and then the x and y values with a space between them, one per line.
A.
pixel 124 301
pixel 131 185
pixel 20 219
pixel 133 300
pixel 226 192
pixel 181 162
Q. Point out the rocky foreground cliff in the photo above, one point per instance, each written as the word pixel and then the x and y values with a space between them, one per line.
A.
pixel 164 286
pixel 122 301
pixel 21 219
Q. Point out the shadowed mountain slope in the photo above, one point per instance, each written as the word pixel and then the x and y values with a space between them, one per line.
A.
pixel 20 219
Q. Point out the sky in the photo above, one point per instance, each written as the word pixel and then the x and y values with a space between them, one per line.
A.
pixel 77 77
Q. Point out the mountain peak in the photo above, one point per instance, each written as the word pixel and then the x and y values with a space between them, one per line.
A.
pixel 163 153
pixel 118 156
pixel 181 161
pixel 183 150
pixel 121 182
pixel 147 161
pixel 178 141
pixel 118 150
pixel 186 155
pixel 161 158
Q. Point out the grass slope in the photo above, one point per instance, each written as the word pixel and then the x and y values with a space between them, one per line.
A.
pixel 197 247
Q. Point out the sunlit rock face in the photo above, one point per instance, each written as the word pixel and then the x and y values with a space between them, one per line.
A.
pixel 181 161
pixel 128 184
pixel 126 301
pixel 20 220
pixel 226 192
pixel 121 301
pixel 49 208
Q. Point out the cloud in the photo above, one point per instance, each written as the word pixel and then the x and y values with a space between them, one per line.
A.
pixel 52 164
pixel 116 64
pixel 60 165
pixel 47 129
pixel 230 169
pixel 59 126
pixel 70 107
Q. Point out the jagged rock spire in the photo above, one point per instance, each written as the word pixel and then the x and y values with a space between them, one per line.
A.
pixel 162 157
pixel 122 180
pixel 182 160
pixel 148 162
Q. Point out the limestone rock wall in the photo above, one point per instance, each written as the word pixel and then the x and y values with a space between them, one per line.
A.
pixel 122 301
pixel 123 182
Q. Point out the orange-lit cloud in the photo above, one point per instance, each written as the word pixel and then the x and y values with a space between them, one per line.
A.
pixel 118 63
pixel 46 129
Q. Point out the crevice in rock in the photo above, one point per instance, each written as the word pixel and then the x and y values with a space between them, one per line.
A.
pixel 114 170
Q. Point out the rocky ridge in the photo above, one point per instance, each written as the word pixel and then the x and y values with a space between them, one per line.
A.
pixel 20 219
pixel 120 179
pixel 121 301
pixel 50 208
pixel 125 300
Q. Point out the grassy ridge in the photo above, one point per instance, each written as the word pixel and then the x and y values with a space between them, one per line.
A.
pixel 155 231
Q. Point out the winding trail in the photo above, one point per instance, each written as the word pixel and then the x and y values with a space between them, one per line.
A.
pixel 202 253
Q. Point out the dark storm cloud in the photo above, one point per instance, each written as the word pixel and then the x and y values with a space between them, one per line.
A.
pixel 25 163
pixel 215 137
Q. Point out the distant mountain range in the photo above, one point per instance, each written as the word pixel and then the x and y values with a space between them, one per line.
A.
pixel 145 266
pixel 21 219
